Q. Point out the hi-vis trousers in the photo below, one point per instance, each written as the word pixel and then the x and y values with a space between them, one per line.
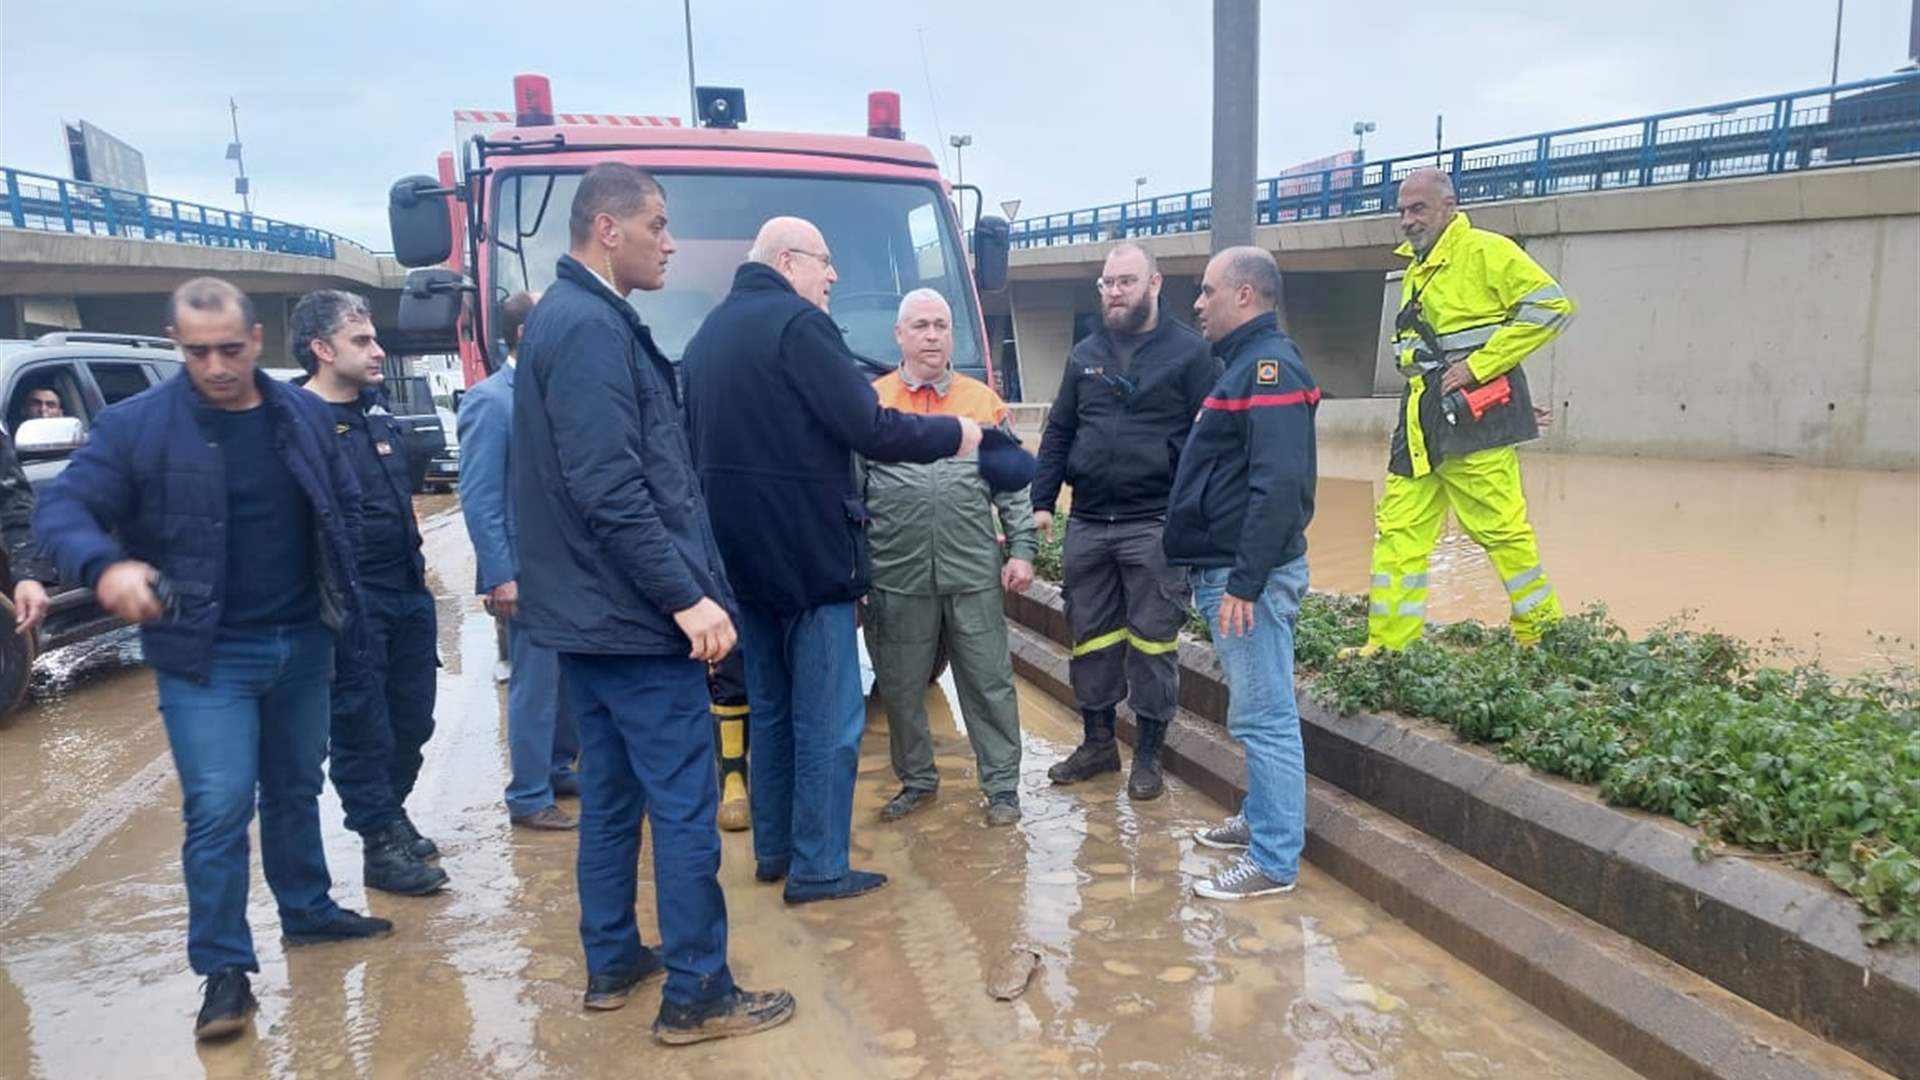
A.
pixel 1483 491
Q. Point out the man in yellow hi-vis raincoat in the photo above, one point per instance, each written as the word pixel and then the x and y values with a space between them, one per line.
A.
pixel 1473 306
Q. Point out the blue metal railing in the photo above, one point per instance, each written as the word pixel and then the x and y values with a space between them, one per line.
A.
pixel 1871 120
pixel 55 204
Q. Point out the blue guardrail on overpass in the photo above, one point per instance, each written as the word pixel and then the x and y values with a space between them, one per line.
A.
pixel 1871 120
pixel 56 204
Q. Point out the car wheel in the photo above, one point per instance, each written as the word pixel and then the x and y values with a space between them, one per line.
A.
pixel 17 653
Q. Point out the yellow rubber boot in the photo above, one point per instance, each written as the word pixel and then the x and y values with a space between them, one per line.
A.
pixel 736 814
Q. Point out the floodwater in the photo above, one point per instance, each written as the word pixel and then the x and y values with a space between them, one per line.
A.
pixel 1135 978
pixel 1823 561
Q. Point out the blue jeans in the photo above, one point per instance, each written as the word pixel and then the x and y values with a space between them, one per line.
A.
pixel 383 708
pixel 257 729
pixel 648 749
pixel 1262 712
pixel 542 739
pixel 803 678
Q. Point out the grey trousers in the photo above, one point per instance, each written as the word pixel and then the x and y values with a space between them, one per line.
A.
pixel 1125 606
pixel 904 633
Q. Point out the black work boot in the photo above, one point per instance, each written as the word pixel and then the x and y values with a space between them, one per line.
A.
pixel 392 867
pixel 228 1003
pixel 1095 756
pixel 1146 782
pixel 422 847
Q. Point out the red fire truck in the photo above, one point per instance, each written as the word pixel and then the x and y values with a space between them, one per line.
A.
pixel 479 234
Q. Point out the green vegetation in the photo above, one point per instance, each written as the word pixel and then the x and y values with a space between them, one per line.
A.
pixel 1818 772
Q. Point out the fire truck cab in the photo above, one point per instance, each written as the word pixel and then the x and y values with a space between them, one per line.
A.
pixel 477 236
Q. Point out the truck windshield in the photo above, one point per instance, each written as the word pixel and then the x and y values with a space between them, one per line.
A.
pixel 887 238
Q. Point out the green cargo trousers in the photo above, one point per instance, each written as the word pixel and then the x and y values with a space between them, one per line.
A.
pixel 904 633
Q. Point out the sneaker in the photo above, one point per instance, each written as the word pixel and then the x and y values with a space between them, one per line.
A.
pixel 1230 835
pixel 420 846
pixel 549 818
pixel 909 800
pixel 1091 759
pixel 344 926
pixel 769 872
pixel 1240 881
pixel 852 883
pixel 609 990
pixel 744 1013
pixel 391 866
pixel 1003 808
pixel 227 1004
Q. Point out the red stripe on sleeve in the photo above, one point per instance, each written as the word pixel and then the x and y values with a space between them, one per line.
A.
pixel 1264 401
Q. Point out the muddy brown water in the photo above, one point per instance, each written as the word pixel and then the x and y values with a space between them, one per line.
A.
pixel 1136 977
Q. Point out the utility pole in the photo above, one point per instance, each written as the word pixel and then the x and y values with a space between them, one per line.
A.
pixel 240 185
pixel 693 96
pixel 1236 119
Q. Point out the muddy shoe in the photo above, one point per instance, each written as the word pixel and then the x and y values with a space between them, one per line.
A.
pixel 766 873
pixel 1003 808
pixel 1146 782
pixel 744 1013
pixel 420 846
pixel 392 867
pixel 1230 835
pixel 227 1005
pixel 909 800
pixel 609 990
pixel 344 926
pixel 853 883
pixel 548 818
pixel 1241 881
pixel 1087 762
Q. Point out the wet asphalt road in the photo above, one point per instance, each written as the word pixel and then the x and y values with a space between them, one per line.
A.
pixel 1136 977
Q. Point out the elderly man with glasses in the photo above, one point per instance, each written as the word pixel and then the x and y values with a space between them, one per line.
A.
pixel 1126 403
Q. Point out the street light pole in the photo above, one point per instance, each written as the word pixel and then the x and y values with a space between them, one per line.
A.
pixel 1236 119
pixel 693 96
pixel 1138 183
pixel 1360 130
pixel 959 144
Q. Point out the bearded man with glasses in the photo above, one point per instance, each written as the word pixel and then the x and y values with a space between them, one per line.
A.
pixel 1126 402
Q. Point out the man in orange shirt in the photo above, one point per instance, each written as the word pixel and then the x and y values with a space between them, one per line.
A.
pixel 938 570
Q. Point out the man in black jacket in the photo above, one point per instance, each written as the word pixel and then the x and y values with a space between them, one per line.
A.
pixel 620 576
pixel 778 407
pixel 1238 523
pixel 1114 434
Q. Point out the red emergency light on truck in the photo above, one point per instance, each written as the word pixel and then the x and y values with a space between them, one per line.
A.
pixel 477 235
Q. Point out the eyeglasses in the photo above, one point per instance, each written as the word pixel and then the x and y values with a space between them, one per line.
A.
pixel 1116 284
pixel 826 260
pixel 229 350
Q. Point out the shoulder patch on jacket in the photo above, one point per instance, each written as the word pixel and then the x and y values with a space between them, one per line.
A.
pixel 1266 373
pixel 341 429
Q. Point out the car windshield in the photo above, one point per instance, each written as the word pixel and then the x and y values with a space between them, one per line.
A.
pixel 887 239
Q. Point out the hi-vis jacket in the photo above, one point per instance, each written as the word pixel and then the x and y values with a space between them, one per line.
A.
pixel 1487 300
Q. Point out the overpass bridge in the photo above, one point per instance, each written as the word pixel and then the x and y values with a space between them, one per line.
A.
pixel 1746 275
pixel 75 255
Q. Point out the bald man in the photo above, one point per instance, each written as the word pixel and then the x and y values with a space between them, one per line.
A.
pixel 777 408
pixel 1473 306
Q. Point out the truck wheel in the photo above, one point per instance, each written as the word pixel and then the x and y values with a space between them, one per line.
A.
pixel 17 653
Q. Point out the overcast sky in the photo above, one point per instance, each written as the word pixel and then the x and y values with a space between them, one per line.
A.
pixel 1066 103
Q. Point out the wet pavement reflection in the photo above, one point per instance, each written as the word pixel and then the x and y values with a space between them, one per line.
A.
pixel 1135 977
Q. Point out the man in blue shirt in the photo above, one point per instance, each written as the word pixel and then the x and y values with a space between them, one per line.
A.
pixel 215 510
pixel 383 699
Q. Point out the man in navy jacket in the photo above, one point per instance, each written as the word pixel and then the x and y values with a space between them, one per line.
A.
pixel 216 511
pixel 1242 499
pixel 778 407
pixel 620 575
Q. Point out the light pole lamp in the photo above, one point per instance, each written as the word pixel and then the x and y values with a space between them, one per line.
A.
pixel 959 144
pixel 1138 183
pixel 1361 128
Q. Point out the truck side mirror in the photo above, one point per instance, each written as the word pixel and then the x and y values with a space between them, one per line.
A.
pixel 430 307
pixel 421 223
pixel 990 248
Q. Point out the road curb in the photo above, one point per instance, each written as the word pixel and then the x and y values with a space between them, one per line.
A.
pixel 1460 845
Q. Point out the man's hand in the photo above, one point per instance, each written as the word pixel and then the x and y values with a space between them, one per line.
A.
pixel 29 606
pixel 1236 617
pixel 126 590
pixel 503 601
pixel 1016 575
pixel 1043 520
pixel 1458 377
pixel 706 625
pixel 969 436
pixel 1543 416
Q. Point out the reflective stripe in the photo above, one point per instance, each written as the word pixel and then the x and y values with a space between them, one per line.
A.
pixel 1521 607
pixel 1544 293
pixel 1104 641
pixel 728 710
pixel 1521 580
pixel 1378 607
pixel 1383 581
pixel 1535 315
pixel 1467 339
pixel 1151 648
pixel 1412 609
pixel 1414 581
